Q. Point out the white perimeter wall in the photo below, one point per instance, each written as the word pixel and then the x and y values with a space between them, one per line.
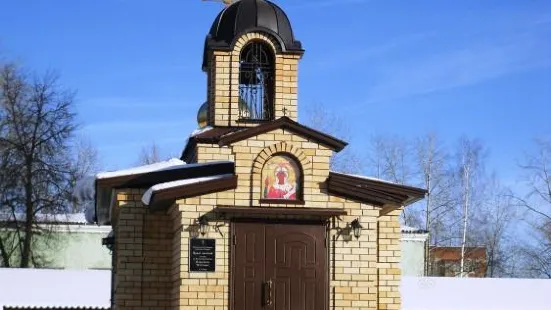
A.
pixel 92 288
pixel 475 294
pixel 55 288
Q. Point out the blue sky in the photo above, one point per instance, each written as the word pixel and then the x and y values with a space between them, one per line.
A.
pixel 479 68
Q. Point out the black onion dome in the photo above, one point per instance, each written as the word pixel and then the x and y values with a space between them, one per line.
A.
pixel 248 16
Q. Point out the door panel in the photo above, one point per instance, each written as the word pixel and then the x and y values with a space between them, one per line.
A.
pixel 293 257
pixel 248 272
pixel 296 263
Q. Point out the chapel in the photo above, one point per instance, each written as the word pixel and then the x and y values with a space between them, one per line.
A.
pixel 251 217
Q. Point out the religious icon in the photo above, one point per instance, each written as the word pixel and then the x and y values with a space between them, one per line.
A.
pixel 280 175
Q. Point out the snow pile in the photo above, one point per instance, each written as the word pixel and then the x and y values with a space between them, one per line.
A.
pixel 54 288
pixel 146 198
pixel 429 293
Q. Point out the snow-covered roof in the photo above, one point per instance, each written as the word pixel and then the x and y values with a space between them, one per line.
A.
pixel 85 189
pixel 200 131
pixel 172 163
pixel 366 178
pixel 430 293
pixel 54 288
pixel 146 198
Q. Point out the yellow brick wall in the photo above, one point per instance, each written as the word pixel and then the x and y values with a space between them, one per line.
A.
pixel 143 255
pixel 354 261
pixel 389 255
pixel 223 82
pixel 198 291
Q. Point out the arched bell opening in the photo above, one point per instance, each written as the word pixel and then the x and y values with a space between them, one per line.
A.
pixel 256 82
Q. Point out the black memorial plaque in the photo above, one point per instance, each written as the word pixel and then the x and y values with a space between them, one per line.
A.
pixel 202 255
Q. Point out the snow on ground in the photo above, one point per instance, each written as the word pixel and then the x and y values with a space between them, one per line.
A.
pixel 55 288
pixel 91 288
pixel 475 294
pixel 146 198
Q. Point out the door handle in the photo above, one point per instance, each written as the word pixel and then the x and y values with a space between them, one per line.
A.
pixel 268 293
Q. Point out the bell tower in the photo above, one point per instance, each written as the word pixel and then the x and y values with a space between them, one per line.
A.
pixel 251 60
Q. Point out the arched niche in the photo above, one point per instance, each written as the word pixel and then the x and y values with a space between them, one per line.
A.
pixel 282 178
pixel 279 174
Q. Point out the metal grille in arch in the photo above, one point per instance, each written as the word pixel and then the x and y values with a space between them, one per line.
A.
pixel 256 82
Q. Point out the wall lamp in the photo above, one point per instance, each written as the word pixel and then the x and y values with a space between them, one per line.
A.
pixel 203 225
pixel 356 228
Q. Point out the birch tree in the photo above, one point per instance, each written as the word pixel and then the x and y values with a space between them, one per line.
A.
pixel 469 169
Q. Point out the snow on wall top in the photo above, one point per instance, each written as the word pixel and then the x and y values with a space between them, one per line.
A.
pixel 65 218
pixel 412 230
pixel 146 198
pixel 54 288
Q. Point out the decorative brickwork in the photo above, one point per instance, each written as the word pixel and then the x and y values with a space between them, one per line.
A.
pixel 248 155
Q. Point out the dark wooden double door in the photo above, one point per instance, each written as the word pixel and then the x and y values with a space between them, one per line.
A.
pixel 279 267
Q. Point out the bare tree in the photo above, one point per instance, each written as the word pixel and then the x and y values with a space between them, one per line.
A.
pixel 538 178
pixel 321 118
pixel 432 163
pixel 537 254
pixel 150 155
pixel 376 155
pixel 492 227
pixel 537 168
pixel 36 126
pixel 392 159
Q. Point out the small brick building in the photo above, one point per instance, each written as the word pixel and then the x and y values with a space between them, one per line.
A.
pixel 254 219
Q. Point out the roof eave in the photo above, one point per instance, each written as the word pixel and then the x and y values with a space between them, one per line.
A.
pixel 385 195
pixel 285 123
pixel 162 199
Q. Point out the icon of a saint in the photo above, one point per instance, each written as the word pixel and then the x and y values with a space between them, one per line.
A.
pixel 281 187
